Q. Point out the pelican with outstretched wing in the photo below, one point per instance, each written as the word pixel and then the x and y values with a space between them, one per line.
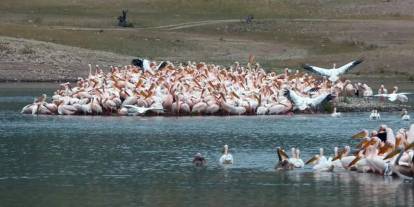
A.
pixel 334 73
pixel 136 110
pixel 402 97
pixel 303 103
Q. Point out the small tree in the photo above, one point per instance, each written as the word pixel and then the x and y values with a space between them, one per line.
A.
pixel 122 20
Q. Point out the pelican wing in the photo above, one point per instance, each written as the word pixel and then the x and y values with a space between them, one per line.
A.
pixel 136 109
pixel 319 99
pixel 345 68
pixel 382 95
pixel 296 99
pixel 320 71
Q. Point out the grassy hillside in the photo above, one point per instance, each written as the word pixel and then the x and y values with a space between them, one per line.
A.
pixel 284 33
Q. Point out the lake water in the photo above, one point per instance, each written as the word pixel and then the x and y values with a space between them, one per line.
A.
pixel 146 161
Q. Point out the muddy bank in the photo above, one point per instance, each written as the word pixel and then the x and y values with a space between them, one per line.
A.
pixel 366 105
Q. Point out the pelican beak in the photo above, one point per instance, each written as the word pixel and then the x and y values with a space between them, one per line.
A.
pixel 283 154
pixel 354 161
pixel 392 154
pixel 312 160
pixel 235 95
pixel 384 149
pixel 360 135
pixel 337 157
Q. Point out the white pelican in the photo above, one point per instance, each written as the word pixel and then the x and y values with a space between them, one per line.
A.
pixel 136 110
pixel 333 73
pixel 374 115
pixel 321 163
pixel 303 103
pixel 295 159
pixel 402 97
pixel 226 158
pixel 335 113
pixel 341 157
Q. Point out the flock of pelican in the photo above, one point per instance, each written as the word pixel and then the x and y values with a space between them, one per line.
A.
pixel 380 152
pixel 147 87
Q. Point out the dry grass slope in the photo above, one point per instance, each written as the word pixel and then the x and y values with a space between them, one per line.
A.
pixel 284 33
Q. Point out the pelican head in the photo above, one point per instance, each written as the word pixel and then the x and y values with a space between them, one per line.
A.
pixel 226 149
pixel 321 152
pixel 297 153
pixel 347 149
pixel 334 65
pixel 293 150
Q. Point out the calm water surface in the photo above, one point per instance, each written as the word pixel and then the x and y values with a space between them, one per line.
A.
pixel 146 161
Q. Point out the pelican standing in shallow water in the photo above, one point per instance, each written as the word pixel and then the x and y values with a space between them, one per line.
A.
pixel 226 158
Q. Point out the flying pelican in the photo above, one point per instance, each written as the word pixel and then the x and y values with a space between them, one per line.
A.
pixel 333 73
pixel 303 103
pixel 226 158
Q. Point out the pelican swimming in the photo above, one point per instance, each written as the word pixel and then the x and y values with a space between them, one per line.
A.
pixel 226 158
pixel 284 163
pixel 199 160
pixel 335 113
pixel 333 73
pixel 375 115
pixel 405 116
pixel 295 160
pixel 321 163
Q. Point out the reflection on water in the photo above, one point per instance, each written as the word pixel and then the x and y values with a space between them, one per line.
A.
pixel 136 161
